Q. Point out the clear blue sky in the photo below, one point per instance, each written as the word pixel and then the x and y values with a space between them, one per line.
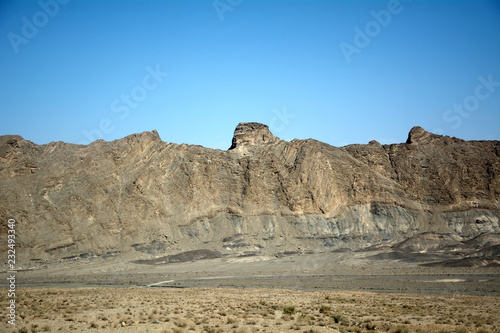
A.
pixel 338 71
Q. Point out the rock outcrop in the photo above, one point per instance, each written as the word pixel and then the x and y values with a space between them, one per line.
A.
pixel 250 134
pixel 445 250
pixel 145 197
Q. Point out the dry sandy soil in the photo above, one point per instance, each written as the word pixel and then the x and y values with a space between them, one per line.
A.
pixel 323 292
pixel 138 309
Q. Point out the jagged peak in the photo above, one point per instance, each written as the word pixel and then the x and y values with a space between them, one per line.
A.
pixel 146 135
pixel 251 134
pixel 418 135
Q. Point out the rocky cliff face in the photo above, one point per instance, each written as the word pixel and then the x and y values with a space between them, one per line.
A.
pixel 141 196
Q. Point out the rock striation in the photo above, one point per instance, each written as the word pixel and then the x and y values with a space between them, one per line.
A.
pixel 144 197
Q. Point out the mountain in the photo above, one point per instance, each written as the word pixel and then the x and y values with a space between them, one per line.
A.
pixel 142 197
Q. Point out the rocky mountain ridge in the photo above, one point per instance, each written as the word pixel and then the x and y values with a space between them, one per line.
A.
pixel 145 197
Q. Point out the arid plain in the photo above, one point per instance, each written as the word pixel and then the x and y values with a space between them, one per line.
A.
pixel 346 291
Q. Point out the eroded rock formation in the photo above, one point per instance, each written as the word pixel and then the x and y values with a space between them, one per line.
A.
pixel 147 197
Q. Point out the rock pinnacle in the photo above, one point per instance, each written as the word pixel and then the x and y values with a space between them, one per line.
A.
pixel 247 134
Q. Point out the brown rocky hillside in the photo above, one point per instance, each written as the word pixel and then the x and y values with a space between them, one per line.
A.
pixel 142 196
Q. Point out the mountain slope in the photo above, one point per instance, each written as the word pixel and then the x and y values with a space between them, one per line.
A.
pixel 142 196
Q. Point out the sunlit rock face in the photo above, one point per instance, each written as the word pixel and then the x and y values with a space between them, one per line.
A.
pixel 144 197
pixel 249 134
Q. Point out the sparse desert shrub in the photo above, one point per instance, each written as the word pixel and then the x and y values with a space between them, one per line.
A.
pixel 210 329
pixel 242 330
pixel 324 309
pixel 46 328
pixel 289 310
pixel 370 326
pixel 337 318
pixel 302 318
pixel 177 330
pixel 401 329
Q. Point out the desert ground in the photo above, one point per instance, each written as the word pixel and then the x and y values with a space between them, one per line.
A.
pixel 136 309
pixel 341 291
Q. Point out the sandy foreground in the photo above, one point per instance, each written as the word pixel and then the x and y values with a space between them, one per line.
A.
pixel 325 292
pixel 157 309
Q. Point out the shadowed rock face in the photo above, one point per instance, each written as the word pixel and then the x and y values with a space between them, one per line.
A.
pixel 447 250
pixel 140 195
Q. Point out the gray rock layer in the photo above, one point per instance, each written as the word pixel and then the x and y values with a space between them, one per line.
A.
pixel 262 195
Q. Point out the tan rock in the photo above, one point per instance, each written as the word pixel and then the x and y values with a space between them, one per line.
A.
pixel 143 196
